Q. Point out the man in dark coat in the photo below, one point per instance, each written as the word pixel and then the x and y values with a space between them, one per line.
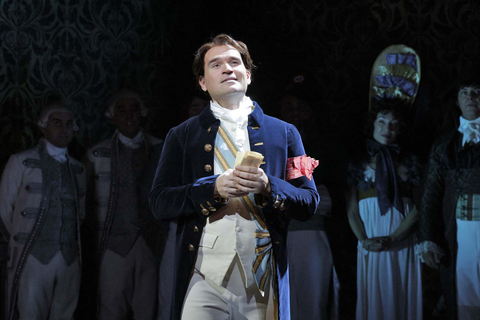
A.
pixel 450 212
pixel 206 269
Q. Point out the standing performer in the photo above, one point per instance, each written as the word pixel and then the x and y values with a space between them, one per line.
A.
pixel 41 207
pixel 450 213
pixel 224 217
pixel 313 282
pixel 382 211
pixel 121 219
pixel 385 195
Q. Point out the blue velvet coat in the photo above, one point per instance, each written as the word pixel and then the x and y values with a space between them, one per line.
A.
pixel 183 188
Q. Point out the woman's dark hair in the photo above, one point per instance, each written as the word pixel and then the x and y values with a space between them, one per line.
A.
pixel 384 106
pixel 471 79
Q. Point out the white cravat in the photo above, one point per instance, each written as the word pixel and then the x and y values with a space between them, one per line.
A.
pixel 134 143
pixel 59 154
pixel 237 117
pixel 470 130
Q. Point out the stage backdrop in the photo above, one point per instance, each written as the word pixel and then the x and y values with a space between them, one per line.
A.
pixel 81 50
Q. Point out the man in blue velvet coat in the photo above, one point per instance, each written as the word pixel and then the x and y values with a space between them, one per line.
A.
pixel 225 254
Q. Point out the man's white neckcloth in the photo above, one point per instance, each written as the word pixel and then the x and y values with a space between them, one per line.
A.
pixel 134 143
pixel 59 154
pixel 238 116
pixel 470 130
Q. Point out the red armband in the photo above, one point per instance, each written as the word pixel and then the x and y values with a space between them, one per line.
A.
pixel 300 166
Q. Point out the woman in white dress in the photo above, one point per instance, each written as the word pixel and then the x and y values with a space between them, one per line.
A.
pixel 383 216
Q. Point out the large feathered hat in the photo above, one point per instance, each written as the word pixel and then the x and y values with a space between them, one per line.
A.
pixel 395 74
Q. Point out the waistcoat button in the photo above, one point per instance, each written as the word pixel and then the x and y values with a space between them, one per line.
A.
pixel 208 168
pixel 208 147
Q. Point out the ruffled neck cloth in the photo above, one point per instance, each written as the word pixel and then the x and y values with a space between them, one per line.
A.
pixel 470 130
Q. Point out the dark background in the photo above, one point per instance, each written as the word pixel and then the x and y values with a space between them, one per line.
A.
pixel 81 50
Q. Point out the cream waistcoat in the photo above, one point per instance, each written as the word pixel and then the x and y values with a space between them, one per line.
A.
pixel 234 233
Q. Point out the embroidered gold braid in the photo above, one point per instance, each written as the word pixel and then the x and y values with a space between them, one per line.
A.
pixel 224 164
pixel 230 145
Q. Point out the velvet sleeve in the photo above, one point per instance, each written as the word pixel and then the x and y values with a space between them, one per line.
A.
pixel 172 195
pixel 432 198
pixel 298 197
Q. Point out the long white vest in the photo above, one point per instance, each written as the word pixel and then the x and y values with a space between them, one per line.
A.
pixel 222 240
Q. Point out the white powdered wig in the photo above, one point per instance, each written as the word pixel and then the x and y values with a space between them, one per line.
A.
pixel 57 106
pixel 124 94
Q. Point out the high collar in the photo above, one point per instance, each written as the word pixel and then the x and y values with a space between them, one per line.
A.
pixel 238 116
pixel 134 143
pixel 59 154
pixel 470 129
pixel 465 122
pixel 255 118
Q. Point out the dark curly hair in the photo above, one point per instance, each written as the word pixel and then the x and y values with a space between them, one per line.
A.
pixel 469 80
pixel 396 106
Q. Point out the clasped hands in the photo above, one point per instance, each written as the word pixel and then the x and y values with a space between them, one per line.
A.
pixel 377 244
pixel 241 181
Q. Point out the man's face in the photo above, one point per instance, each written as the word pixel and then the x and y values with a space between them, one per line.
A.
pixel 469 102
pixel 225 73
pixel 59 129
pixel 128 117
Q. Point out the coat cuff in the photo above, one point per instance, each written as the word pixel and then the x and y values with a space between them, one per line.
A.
pixel 429 246
pixel 203 198
pixel 275 201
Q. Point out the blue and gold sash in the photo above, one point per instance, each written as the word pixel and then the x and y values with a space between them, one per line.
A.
pixel 225 154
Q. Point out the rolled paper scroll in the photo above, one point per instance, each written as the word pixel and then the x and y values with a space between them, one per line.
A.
pixel 249 158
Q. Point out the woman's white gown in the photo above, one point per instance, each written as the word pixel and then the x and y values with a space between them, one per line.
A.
pixel 389 283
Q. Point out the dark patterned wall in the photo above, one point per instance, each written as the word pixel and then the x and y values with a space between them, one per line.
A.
pixel 82 49
pixel 76 50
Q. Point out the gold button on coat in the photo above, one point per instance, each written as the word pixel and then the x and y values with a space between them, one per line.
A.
pixel 208 147
pixel 208 168
pixel 205 211
pixel 276 204
pixel 191 247
pixel 195 229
